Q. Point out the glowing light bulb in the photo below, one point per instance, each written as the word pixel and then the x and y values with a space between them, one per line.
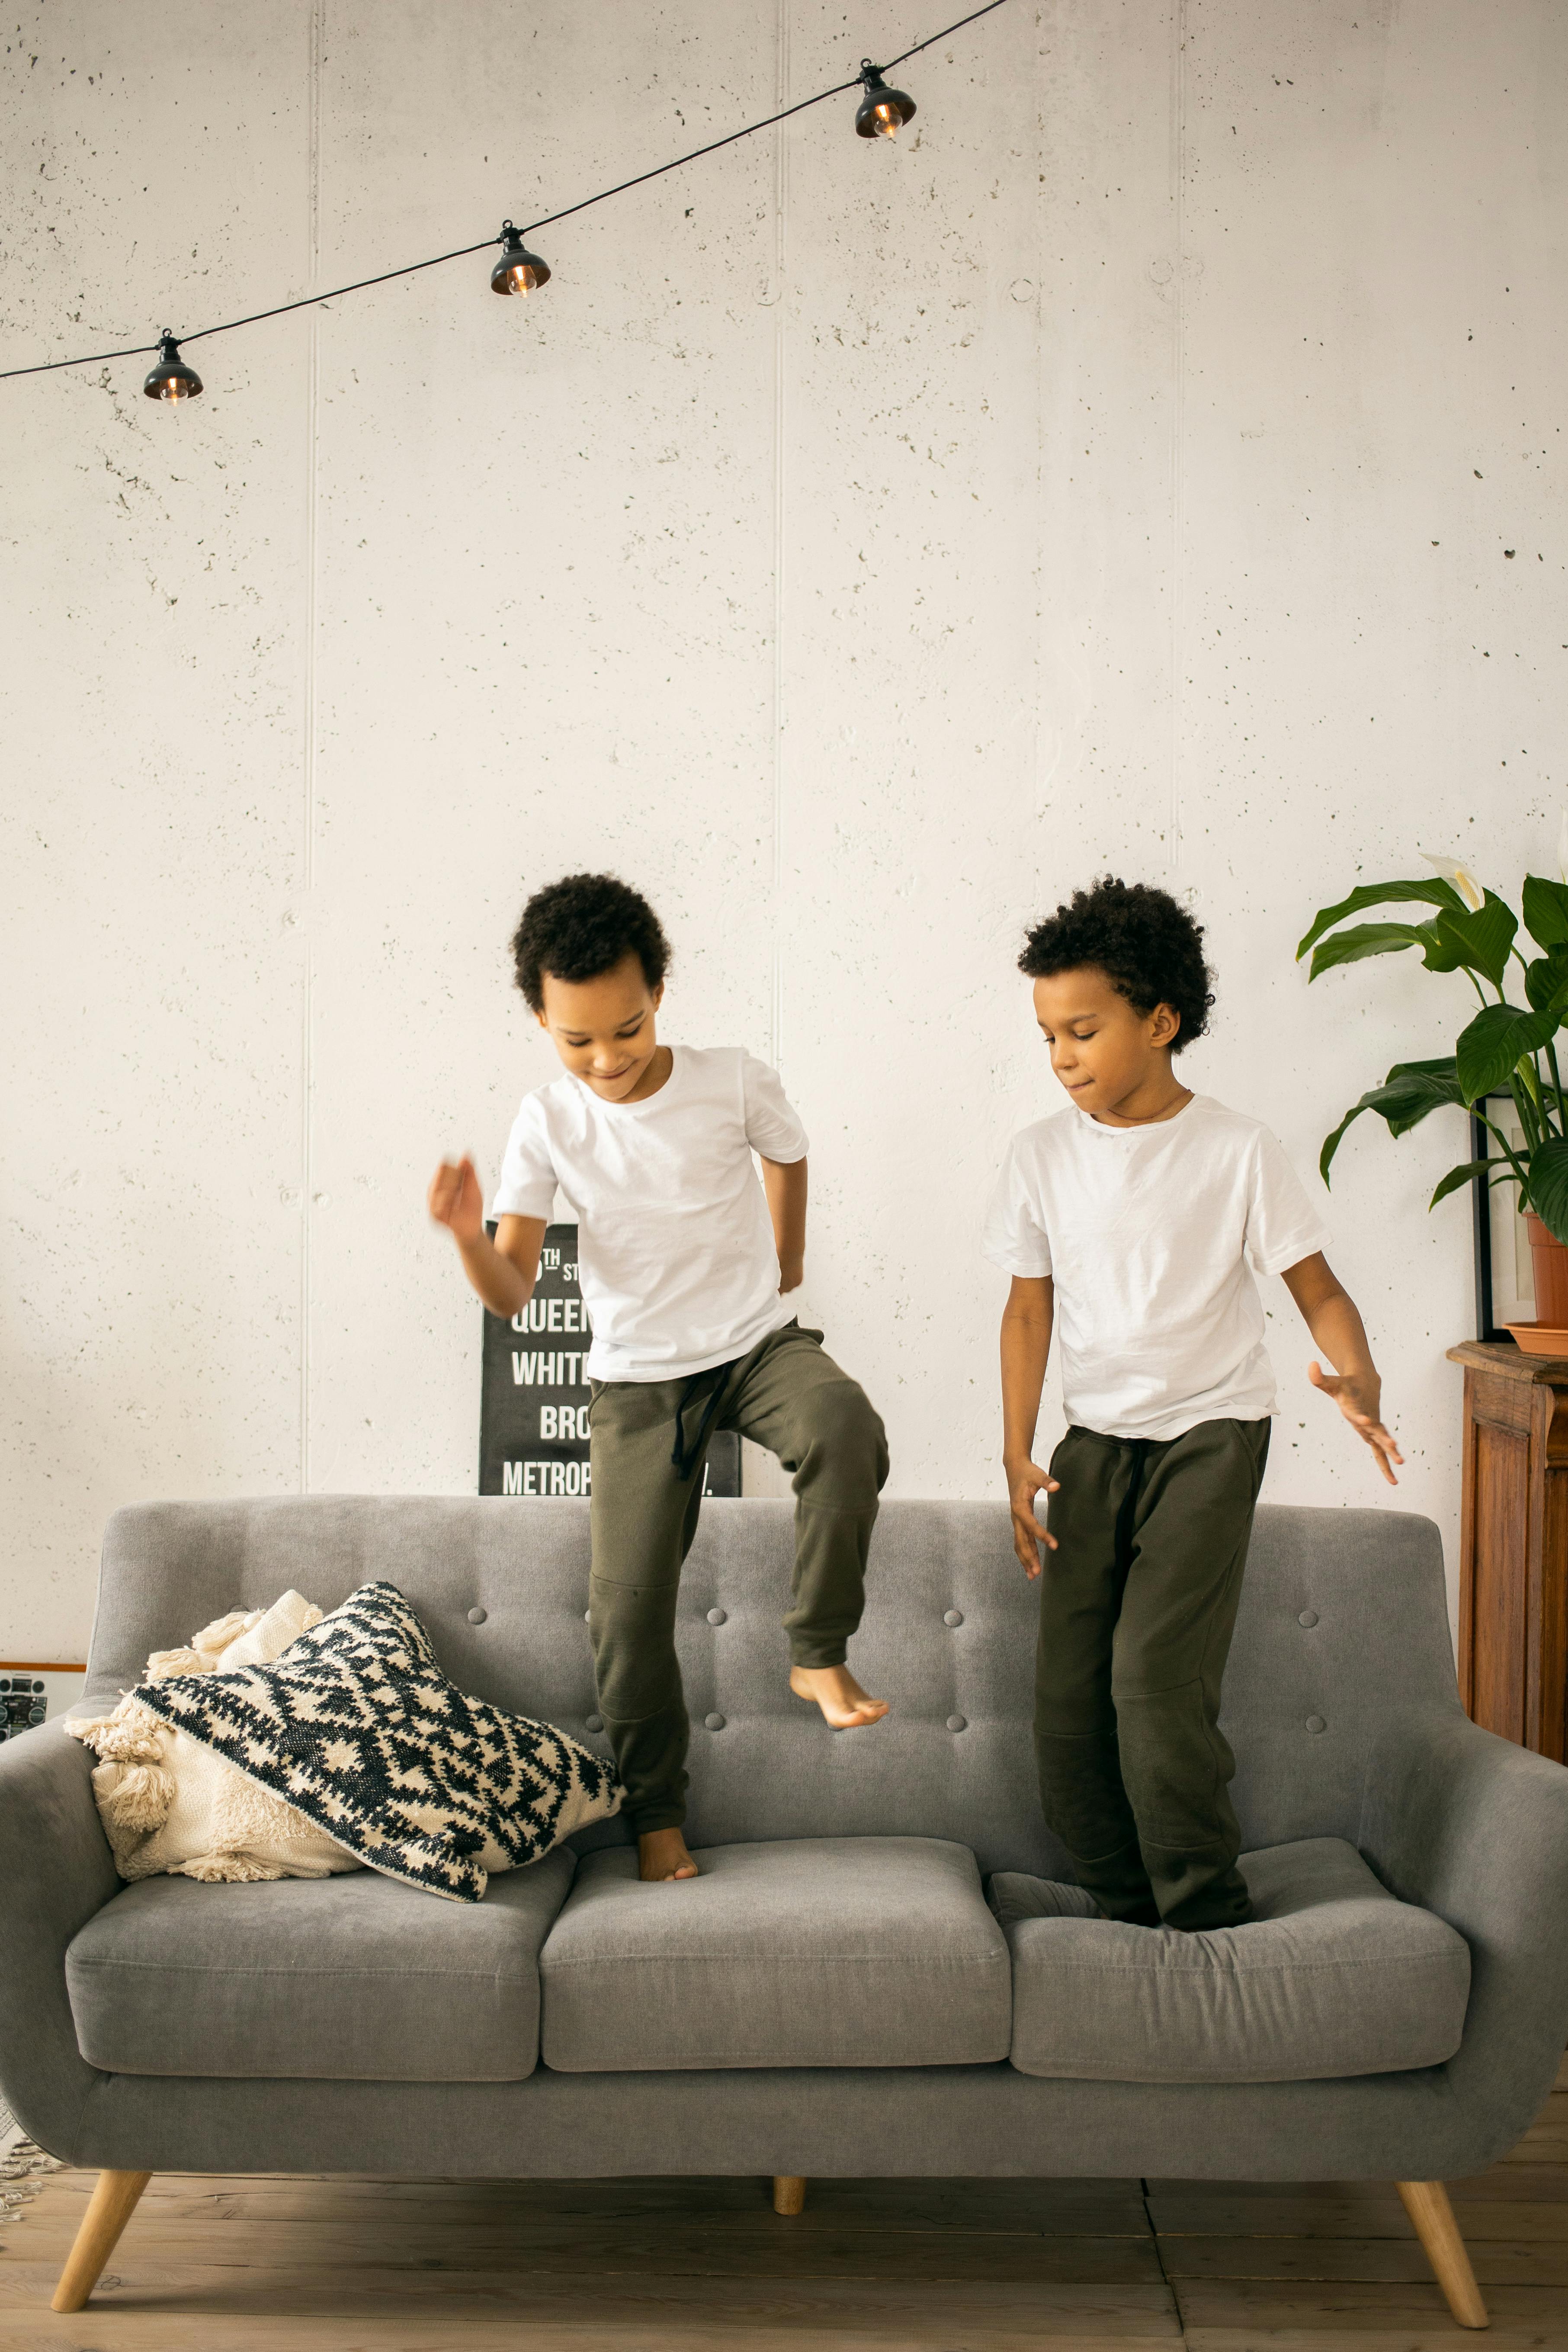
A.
pixel 173 379
pixel 518 272
pixel 882 112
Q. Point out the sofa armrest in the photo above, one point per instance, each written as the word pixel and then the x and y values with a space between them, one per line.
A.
pixel 1477 1830
pixel 56 1871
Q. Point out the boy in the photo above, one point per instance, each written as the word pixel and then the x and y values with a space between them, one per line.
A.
pixel 684 1268
pixel 1128 1221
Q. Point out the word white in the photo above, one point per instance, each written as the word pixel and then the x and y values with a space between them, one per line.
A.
pixel 563 1421
pixel 552 1477
pixel 544 1371
pixel 552 1315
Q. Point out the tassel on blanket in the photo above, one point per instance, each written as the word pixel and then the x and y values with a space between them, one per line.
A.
pixel 133 1798
pixel 201 1653
pixel 238 1869
pixel 132 1735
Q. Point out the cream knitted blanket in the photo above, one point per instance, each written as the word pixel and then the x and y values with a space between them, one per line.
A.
pixel 169 1803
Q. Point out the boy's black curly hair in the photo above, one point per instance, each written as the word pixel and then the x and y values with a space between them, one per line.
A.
pixel 1148 947
pixel 582 926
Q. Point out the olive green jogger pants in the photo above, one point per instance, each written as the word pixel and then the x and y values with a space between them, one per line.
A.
pixel 1138 1605
pixel 787 1395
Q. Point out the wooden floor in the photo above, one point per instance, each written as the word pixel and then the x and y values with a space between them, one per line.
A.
pixel 291 2266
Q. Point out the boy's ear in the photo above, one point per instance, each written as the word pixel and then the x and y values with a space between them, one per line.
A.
pixel 1167 1022
pixel 659 996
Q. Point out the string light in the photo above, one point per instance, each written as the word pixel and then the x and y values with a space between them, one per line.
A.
pixel 518 272
pixel 882 113
pixel 172 379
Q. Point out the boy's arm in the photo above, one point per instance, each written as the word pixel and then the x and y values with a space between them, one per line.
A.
pixel 1025 1347
pixel 1330 1314
pixel 503 1270
pixel 784 1181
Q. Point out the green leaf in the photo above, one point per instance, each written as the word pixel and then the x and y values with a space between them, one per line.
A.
pixel 1546 981
pixel 1332 1143
pixel 1491 1048
pixel 1546 911
pixel 1482 941
pixel 1465 1174
pixel 1381 894
pixel 1439 954
pixel 1413 1090
pixel 1407 1094
pixel 1548 1185
pixel 1366 940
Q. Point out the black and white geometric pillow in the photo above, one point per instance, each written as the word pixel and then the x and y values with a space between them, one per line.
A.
pixel 357 1724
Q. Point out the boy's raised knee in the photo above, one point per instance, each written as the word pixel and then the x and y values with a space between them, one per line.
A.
pixel 847 1445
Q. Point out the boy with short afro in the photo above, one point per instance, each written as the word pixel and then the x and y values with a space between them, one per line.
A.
pixel 684 1261
pixel 1132 1222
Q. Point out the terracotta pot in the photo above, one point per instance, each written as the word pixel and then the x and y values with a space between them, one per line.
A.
pixel 1549 1256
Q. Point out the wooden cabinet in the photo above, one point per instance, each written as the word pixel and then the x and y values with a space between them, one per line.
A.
pixel 1513 1545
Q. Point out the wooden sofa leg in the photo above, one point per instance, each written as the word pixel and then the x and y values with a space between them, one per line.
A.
pixel 789 2193
pixel 1426 2202
pixel 110 2208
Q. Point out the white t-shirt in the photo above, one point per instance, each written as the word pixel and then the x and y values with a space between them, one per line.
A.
pixel 675 1245
pixel 1147 1234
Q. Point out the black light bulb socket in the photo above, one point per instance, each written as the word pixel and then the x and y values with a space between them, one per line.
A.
pixel 173 378
pixel 878 95
pixel 515 253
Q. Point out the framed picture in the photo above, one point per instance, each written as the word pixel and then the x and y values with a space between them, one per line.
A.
pixel 534 1392
pixel 1505 1283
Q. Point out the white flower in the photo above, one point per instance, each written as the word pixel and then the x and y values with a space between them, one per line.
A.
pixel 1464 881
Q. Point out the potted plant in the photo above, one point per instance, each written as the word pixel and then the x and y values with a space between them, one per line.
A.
pixel 1506 1047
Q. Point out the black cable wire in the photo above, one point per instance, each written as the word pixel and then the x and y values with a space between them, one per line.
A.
pixel 462 252
pixel 138 351
pixel 713 145
pixel 309 302
pixel 940 37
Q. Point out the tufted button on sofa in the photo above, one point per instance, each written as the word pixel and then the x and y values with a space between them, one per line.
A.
pixel 884 1966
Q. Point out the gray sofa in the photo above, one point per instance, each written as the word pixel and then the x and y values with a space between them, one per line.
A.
pixel 882 1971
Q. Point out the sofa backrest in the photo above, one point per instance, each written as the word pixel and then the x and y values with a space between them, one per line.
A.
pixel 1343 1611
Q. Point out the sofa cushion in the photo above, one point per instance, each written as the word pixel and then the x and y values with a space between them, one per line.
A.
pixel 1332 1977
pixel 807 1952
pixel 353 1980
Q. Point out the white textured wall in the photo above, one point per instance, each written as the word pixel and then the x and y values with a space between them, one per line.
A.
pixel 855 546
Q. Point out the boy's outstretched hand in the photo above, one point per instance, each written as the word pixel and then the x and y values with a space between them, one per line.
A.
pixel 1025 1480
pixel 1360 1399
pixel 456 1200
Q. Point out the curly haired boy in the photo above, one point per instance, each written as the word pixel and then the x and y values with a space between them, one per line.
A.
pixel 1131 1223
pixel 685 1263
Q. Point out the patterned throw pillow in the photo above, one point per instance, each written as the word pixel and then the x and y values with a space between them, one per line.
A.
pixel 358 1728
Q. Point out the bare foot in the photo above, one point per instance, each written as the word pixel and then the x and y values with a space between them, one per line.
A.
pixel 835 1691
pixel 661 1854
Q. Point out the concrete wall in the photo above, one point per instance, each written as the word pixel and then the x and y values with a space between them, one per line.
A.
pixel 856 546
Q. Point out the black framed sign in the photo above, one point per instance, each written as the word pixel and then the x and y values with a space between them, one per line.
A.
pixel 534 1393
